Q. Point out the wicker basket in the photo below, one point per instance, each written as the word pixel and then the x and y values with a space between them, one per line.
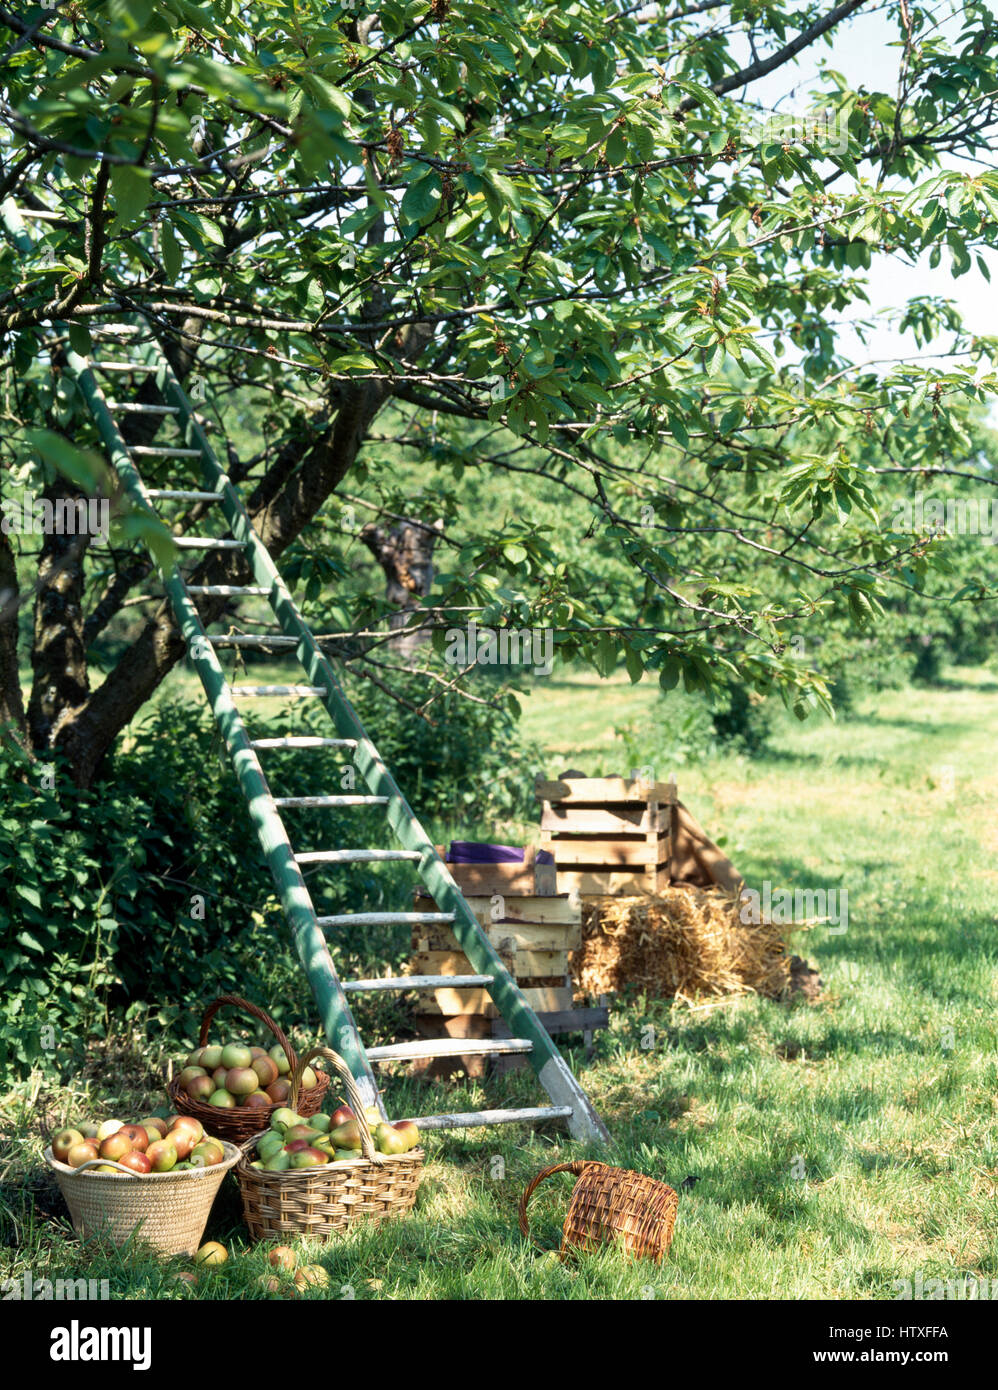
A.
pixel 168 1210
pixel 323 1200
pixel 612 1205
pixel 243 1122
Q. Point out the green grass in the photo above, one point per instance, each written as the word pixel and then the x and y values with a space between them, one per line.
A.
pixel 839 1146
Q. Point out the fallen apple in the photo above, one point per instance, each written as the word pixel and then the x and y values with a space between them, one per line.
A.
pixel 282 1257
pixel 211 1253
pixel 65 1140
pixel 312 1276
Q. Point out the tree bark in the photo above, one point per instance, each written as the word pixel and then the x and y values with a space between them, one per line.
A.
pixel 58 657
pixel 12 720
pixel 405 553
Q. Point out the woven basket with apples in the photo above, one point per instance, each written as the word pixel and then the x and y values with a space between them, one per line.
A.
pixel 313 1176
pixel 155 1179
pixel 234 1089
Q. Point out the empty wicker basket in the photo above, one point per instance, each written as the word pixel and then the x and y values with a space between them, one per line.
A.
pixel 323 1200
pixel 167 1210
pixel 612 1205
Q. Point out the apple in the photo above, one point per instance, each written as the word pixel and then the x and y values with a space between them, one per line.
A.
pixel 115 1146
pixel 266 1070
pixel 105 1168
pixel 279 1163
pixel 207 1154
pixel 190 1125
pixel 162 1155
pixel 182 1140
pixel 346 1136
pixel 211 1057
pixel 154 1122
pixel 309 1080
pixel 89 1131
pixel 341 1116
pixel 83 1152
pixel 279 1091
pixel 222 1099
pixel 270 1142
pixel 283 1119
pixel 408 1131
pixel 138 1136
pixel 152 1134
pixel 211 1253
pixel 282 1257
pixel 269 1283
pixel 105 1130
pixel 235 1055
pixel 308 1158
pixel 65 1140
pixel 388 1140
pixel 256 1100
pixel 312 1276
pixel 188 1074
pixel 241 1081
pixel 218 1076
pixel 279 1058
pixel 201 1088
pixel 137 1161
pixel 194 1060
pixel 258 1052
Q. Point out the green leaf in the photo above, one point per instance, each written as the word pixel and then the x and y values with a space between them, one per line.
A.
pixel 132 190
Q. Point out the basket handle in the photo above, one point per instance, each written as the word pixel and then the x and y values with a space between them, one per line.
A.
pixel 108 1163
pixel 353 1095
pixel 240 1003
pixel 577 1166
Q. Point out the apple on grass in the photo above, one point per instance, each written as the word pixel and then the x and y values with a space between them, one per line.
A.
pixel 282 1257
pixel 211 1253
pixel 65 1140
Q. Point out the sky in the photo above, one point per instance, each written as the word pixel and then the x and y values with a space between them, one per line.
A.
pixel 862 51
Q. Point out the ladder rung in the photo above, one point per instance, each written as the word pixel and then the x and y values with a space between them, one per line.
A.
pixel 162 451
pixel 249 639
pixel 129 408
pixel 159 494
pixel 205 543
pixel 401 982
pixel 303 741
pixel 317 801
pixel 233 589
pixel 384 919
pixel 356 856
pixel 470 1118
pixel 447 1047
pixel 256 690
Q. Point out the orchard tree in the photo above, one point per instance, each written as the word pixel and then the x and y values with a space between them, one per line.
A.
pixel 562 243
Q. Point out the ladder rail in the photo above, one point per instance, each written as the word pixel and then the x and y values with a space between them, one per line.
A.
pixel 295 898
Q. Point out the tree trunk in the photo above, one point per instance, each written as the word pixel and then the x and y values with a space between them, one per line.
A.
pixel 405 553
pixel 11 701
pixel 58 656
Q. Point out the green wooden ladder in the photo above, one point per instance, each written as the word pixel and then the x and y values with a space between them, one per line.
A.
pixel 568 1099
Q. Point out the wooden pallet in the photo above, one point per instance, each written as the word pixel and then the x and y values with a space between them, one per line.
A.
pixel 608 835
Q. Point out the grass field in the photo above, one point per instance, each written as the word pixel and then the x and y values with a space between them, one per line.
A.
pixel 839 1147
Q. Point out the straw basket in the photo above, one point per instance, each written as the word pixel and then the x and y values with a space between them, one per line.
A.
pixel 240 1124
pixel 168 1210
pixel 612 1205
pixel 323 1200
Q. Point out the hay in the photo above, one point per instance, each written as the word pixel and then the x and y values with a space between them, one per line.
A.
pixel 684 943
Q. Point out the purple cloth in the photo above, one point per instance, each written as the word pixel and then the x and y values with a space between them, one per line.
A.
pixel 473 852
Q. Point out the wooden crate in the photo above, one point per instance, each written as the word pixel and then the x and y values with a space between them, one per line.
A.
pixel 545 924
pixel 608 835
pixel 526 879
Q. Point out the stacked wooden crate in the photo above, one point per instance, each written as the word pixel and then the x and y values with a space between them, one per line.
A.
pixel 608 835
pixel 532 926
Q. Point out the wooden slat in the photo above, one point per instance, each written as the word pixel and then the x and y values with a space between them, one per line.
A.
pixel 527 879
pixel 528 936
pixel 600 790
pixel 469 1119
pixel 602 882
pixel 478 1001
pixel 608 853
pixel 696 859
pixel 446 1047
pixel 558 910
pixel 601 820
pixel 525 964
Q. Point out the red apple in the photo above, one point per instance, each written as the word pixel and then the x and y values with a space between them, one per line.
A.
pixel 162 1156
pixel 207 1154
pixel 257 1100
pixel 182 1140
pixel 154 1122
pixel 116 1145
pixel 279 1092
pixel 266 1069
pixel 241 1081
pixel 138 1136
pixel 193 1127
pixel 282 1257
pixel 200 1088
pixel 137 1161
pixel 188 1074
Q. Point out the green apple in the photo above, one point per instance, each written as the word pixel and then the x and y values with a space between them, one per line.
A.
pixel 235 1055
pixel 109 1127
pixel 211 1057
pixel 222 1099
pixel 279 1058
pixel 279 1163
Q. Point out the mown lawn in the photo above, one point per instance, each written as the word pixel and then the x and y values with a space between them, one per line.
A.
pixel 839 1146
